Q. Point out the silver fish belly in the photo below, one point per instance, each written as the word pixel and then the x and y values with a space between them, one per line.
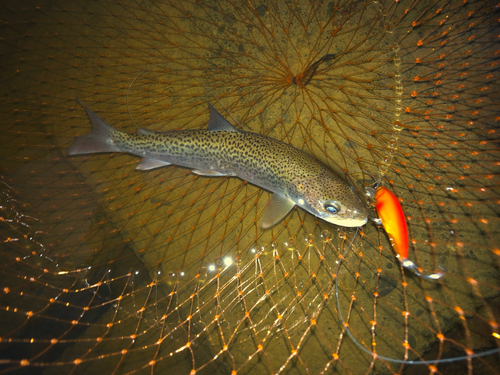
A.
pixel 293 177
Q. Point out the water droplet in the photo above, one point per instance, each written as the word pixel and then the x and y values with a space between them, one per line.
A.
pixel 309 240
pixel 369 192
pixel 326 235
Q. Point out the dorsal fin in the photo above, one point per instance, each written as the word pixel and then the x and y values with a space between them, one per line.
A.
pixel 217 123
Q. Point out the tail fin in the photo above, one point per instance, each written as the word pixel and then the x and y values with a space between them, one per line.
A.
pixel 98 140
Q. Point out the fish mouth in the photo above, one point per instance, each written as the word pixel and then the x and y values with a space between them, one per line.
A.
pixel 349 223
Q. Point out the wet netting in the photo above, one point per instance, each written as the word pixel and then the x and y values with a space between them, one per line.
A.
pixel 112 270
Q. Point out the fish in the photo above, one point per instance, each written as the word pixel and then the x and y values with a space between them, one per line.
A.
pixel 393 221
pixel 293 177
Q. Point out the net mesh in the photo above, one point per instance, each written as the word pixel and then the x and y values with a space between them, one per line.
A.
pixel 110 269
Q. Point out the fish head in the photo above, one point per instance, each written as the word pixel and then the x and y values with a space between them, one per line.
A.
pixel 330 198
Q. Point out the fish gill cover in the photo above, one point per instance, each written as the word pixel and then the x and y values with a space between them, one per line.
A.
pixel 106 268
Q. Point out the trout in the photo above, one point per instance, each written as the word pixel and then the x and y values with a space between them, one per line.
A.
pixel 293 177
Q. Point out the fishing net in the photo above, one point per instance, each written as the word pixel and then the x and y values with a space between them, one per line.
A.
pixel 112 270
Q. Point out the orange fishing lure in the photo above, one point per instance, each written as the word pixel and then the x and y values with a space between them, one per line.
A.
pixel 393 220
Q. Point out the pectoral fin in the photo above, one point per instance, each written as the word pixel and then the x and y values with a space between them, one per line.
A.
pixel 210 173
pixel 276 209
pixel 147 164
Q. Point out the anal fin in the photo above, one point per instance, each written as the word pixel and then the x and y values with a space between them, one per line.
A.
pixel 147 164
pixel 210 173
pixel 276 209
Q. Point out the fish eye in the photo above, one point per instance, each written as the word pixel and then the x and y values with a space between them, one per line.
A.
pixel 332 208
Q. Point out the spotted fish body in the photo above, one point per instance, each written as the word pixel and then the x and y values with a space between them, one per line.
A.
pixel 294 177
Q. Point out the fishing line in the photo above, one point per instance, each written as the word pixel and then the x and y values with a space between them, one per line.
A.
pixel 394 360
pixel 369 191
pixel 128 91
